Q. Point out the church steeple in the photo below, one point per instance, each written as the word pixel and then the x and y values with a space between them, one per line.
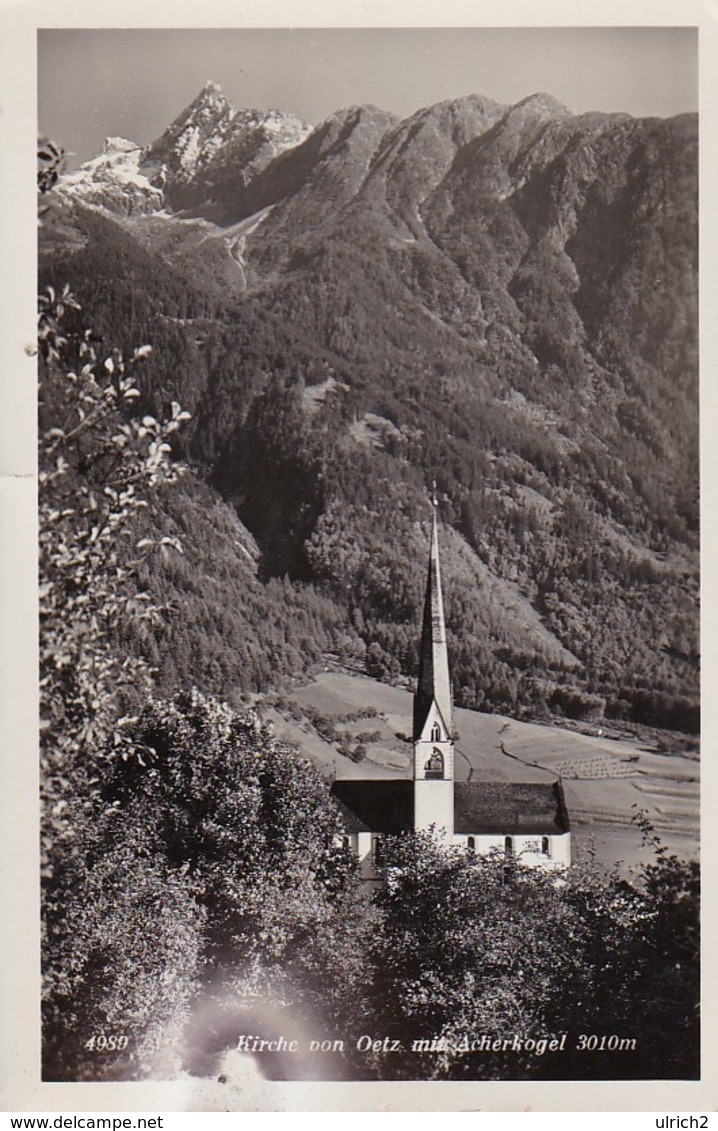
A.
pixel 433 725
pixel 433 684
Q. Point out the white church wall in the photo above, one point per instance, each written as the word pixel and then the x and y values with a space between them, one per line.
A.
pixel 561 850
pixel 529 850
pixel 366 853
pixel 434 807
pixel 482 845
pixel 535 851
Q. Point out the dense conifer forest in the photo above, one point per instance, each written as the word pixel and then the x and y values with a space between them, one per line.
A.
pixel 323 479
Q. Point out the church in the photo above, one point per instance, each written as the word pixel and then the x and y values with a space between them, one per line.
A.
pixel 527 821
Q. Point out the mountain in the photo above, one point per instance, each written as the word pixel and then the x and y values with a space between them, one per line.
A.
pixel 114 181
pixel 208 153
pixel 501 298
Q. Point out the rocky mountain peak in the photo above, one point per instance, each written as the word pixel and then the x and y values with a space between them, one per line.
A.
pixel 114 181
pixel 193 155
pixel 189 141
pixel 113 145
pixel 211 90
pixel 210 97
pixel 209 107
pixel 472 107
pixel 544 105
pixel 354 121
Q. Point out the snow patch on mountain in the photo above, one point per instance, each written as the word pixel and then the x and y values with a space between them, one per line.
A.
pixel 114 181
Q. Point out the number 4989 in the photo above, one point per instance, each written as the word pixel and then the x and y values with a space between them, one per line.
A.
pixel 101 1043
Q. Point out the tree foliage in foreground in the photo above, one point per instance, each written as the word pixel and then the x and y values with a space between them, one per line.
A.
pixel 208 885
pixel 108 902
pixel 470 946
pixel 97 465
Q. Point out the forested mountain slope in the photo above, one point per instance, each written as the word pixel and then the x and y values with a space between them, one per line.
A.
pixel 503 299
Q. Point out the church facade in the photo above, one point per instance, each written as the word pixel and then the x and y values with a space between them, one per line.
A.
pixel 527 821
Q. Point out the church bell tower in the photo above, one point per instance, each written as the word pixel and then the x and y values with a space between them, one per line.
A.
pixel 433 723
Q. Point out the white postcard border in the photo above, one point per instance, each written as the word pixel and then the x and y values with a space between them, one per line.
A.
pixel 19 1043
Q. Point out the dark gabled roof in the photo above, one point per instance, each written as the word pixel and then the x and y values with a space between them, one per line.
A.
pixel 509 807
pixel 480 807
pixel 375 806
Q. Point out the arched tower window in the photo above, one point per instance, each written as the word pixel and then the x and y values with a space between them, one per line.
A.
pixel 434 766
pixel 545 846
pixel 436 733
pixel 509 845
pixel 471 843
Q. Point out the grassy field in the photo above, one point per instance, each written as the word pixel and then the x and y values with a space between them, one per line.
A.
pixel 604 776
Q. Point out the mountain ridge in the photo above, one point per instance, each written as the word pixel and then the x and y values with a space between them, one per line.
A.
pixel 501 298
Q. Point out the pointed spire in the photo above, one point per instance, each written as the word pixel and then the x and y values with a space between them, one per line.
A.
pixel 433 684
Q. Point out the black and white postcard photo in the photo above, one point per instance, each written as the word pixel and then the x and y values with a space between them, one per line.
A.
pixel 367 420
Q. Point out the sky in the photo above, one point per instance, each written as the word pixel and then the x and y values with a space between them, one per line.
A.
pixel 95 83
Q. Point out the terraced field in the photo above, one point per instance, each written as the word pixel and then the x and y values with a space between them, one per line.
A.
pixel 605 778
